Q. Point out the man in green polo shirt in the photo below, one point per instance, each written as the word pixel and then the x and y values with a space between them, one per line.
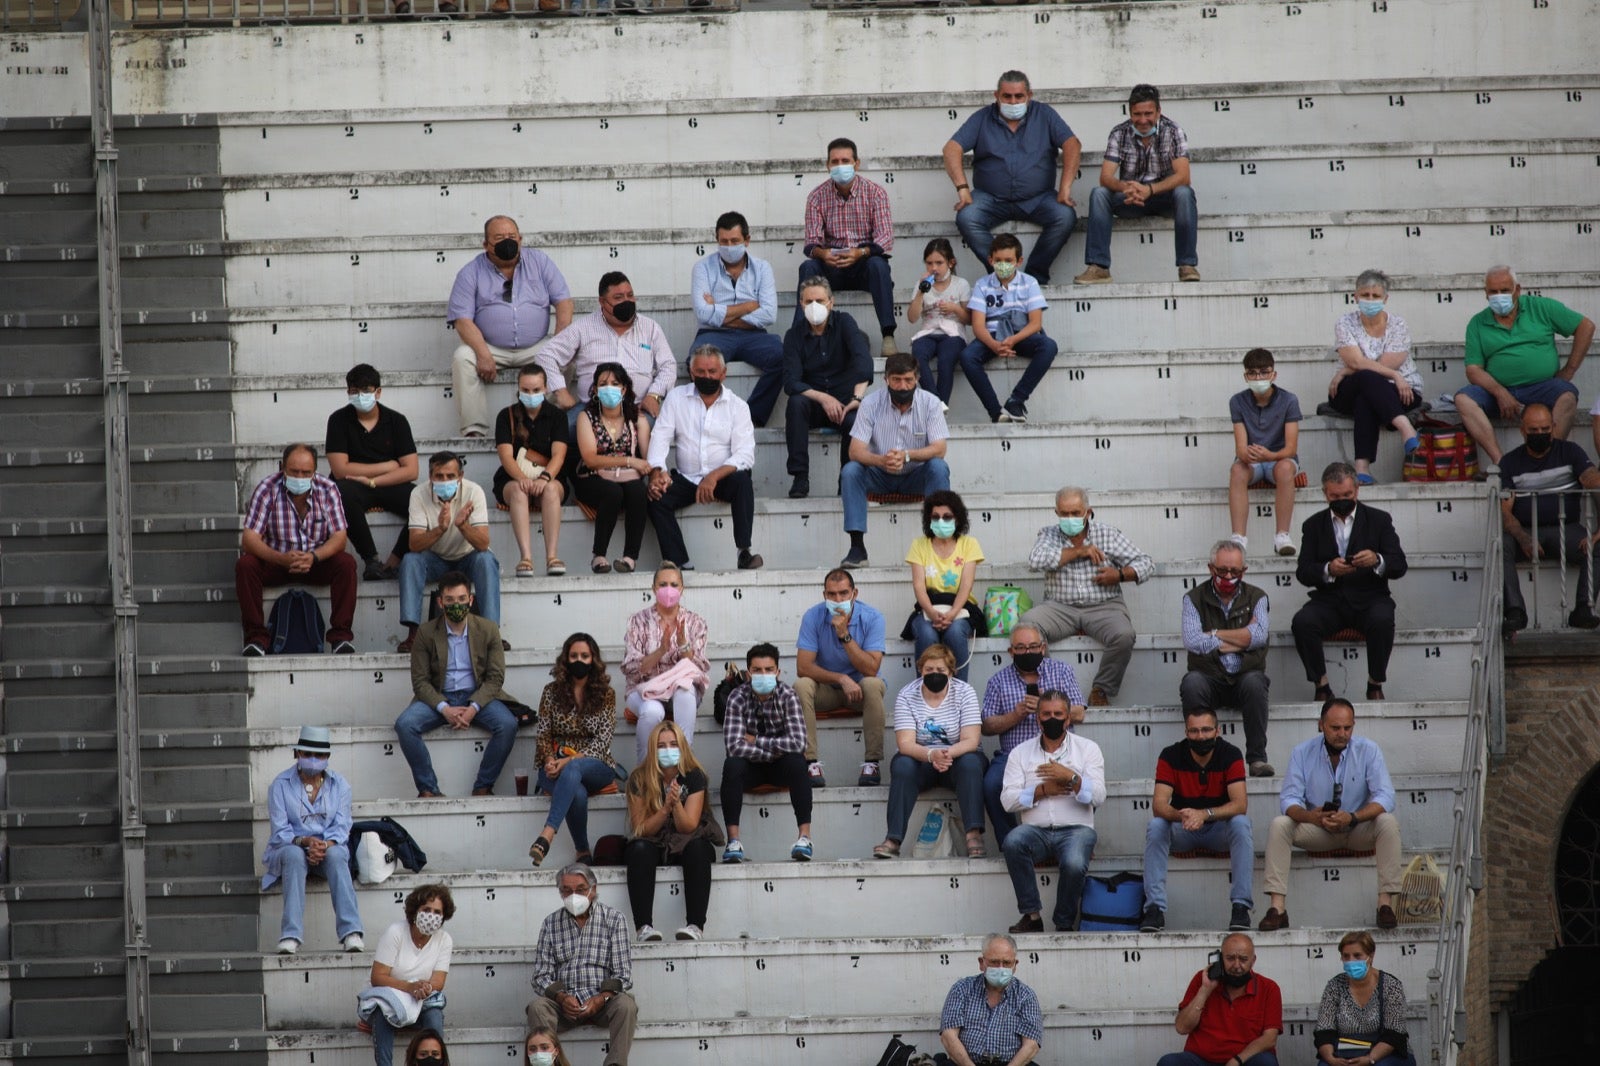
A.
pixel 1512 360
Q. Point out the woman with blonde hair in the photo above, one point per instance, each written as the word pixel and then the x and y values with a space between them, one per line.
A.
pixel 672 825
pixel 664 661
pixel 543 1048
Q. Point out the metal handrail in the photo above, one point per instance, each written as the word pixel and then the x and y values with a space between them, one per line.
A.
pixel 1586 522
pixel 1464 872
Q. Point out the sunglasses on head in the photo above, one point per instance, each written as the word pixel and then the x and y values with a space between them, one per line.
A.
pixel 505 293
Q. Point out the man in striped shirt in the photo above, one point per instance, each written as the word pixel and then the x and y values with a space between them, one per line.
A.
pixel 850 236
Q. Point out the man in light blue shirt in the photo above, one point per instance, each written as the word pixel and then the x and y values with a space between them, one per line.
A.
pixel 308 811
pixel 1337 795
pixel 735 300
pixel 837 658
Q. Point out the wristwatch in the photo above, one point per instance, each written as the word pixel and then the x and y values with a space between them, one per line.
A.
pixel 847 639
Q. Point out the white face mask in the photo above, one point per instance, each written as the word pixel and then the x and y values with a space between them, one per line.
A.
pixel 541 1058
pixel 429 922
pixel 816 312
pixel 576 905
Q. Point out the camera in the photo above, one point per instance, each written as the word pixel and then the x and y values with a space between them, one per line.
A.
pixel 1214 965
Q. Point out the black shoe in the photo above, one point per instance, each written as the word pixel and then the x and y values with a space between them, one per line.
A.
pixel 1514 620
pixel 253 650
pixel 749 560
pixel 801 488
pixel 343 647
pixel 1240 919
pixel 1583 618
pixel 855 560
pixel 374 570
pixel 1154 920
pixel 1014 411
pixel 1028 925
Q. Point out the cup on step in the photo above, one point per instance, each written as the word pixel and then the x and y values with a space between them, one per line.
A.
pixel 521 776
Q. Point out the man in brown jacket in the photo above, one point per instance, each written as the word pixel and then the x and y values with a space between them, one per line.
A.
pixel 457 668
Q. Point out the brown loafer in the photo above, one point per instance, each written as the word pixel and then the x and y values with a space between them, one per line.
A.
pixel 483 792
pixel 404 647
pixel 1274 920
pixel 1386 918
pixel 1028 925
pixel 1098 698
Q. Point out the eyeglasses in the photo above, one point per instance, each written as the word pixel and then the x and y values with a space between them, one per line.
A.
pixel 1037 645
pixel 1258 375
pixel 1228 571
pixel 505 294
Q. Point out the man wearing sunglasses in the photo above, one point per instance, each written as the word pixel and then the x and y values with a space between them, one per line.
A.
pixel 1225 634
pixel 501 307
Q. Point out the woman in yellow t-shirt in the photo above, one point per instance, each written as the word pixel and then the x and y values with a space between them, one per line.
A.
pixel 944 562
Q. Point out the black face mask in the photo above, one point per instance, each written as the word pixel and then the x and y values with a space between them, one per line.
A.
pixel 707 386
pixel 901 397
pixel 1027 661
pixel 1203 747
pixel 1236 980
pixel 1539 443
pixel 1342 508
pixel 936 682
pixel 1053 728
pixel 578 670
pixel 507 250
pixel 624 311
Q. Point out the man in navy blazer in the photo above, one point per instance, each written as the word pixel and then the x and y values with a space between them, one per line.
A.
pixel 1348 555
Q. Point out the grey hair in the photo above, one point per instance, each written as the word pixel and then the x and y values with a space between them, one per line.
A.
pixel 1030 627
pixel 1227 544
pixel 1005 938
pixel 1338 471
pixel 1500 268
pixel 578 869
pixel 816 281
pixel 1014 76
pixel 1373 277
pixel 1072 490
pixel 708 351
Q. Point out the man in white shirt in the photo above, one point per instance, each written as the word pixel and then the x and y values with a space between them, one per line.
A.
pixel 614 333
pixel 1053 784
pixel 716 451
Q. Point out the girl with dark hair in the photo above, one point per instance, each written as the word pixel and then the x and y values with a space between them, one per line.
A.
pixel 530 437
pixel 944 563
pixel 579 712
pixel 613 439
pixel 940 304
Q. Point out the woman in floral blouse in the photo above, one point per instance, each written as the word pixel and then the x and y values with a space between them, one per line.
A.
pixel 664 661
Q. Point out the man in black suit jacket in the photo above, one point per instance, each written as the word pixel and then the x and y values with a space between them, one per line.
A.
pixel 1348 555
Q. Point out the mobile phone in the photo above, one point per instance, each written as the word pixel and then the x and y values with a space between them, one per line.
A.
pixel 1214 965
pixel 1032 690
pixel 1329 807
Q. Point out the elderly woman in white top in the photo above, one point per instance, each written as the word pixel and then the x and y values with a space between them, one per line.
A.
pixel 1376 381
pixel 409 969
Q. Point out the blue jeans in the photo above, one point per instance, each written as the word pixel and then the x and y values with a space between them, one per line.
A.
pixel 1232 835
pixel 994 780
pixel 1055 219
pixel 1072 846
pixel 335 869
pixel 855 481
pixel 419 569
pixel 955 637
pixel 431 1018
pixel 1189 1058
pixel 908 779
pixel 569 796
pixel 1177 204
pixel 419 718
pixel 936 356
pixel 1039 350
pixel 868 275
pixel 760 349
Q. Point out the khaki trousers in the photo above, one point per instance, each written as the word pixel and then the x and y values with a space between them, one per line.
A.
pixel 815 697
pixel 472 400
pixel 1382 835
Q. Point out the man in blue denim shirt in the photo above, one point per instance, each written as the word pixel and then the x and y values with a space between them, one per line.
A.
pixel 308 810
pixel 735 300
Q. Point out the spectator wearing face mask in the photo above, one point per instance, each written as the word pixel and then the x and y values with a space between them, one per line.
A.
pixel 1361 1020
pixel 940 306
pixel 1230 1015
pixel 944 562
pixel 837 658
pixel 664 661
pixel 449 530
pixel 412 958
pixel 543 1048
pixel 1007 323
pixel 372 457
pixel 1266 441
pixel 670 819
pixel 826 370
pixel 735 302
pixel 530 437
pixel 1377 382
pixel 1225 633
pixel 765 733
pixel 849 236
pixel 308 809
pixel 583 966
pixel 991 1017
pixel 614 332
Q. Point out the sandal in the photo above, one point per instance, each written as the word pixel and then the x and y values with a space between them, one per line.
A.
pixel 887 850
pixel 555 567
pixel 600 565
pixel 538 850
pixel 525 568
pixel 624 565
pixel 976 849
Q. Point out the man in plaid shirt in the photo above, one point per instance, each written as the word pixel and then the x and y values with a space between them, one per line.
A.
pixel 765 733
pixel 1085 564
pixel 1145 171
pixel 583 967
pixel 1011 710
pixel 991 1018
pixel 850 235
pixel 294 533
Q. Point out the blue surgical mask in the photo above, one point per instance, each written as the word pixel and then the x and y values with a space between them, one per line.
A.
pixel 1147 134
pixel 1260 388
pixel 731 253
pixel 843 174
pixel 1072 526
pixel 839 607
pixel 668 757
pixel 764 684
pixel 530 400
pixel 312 764
pixel 1501 303
pixel 364 401
pixel 610 395
pixel 446 490
pixel 943 527
pixel 297 486
pixel 541 1058
pixel 1004 271
pixel 1370 308
pixel 1013 112
pixel 997 976
pixel 1355 969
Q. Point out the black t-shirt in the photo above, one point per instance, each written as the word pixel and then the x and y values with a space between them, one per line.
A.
pixel 389 439
pixel 1196 786
pixel 1558 468
pixel 544 428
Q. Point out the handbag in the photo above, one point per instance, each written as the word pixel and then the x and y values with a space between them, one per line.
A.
pixel 1003 608
pixel 525 464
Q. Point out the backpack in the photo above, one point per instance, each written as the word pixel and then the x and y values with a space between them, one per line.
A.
pixel 393 835
pixel 719 696
pixel 296 624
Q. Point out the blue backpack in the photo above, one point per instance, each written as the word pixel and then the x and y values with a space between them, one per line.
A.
pixel 296 624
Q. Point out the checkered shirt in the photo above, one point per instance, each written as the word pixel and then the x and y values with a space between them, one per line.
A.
pixel 837 221
pixel 1074 583
pixel 583 960
pixel 992 1032
pixel 1146 159
pixel 1006 689
pixel 271 514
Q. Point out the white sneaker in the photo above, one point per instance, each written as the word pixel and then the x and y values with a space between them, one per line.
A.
pixel 288 946
pixel 649 934
pixel 354 942
pixel 1240 539
pixel 689 932
pixel 1283 544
